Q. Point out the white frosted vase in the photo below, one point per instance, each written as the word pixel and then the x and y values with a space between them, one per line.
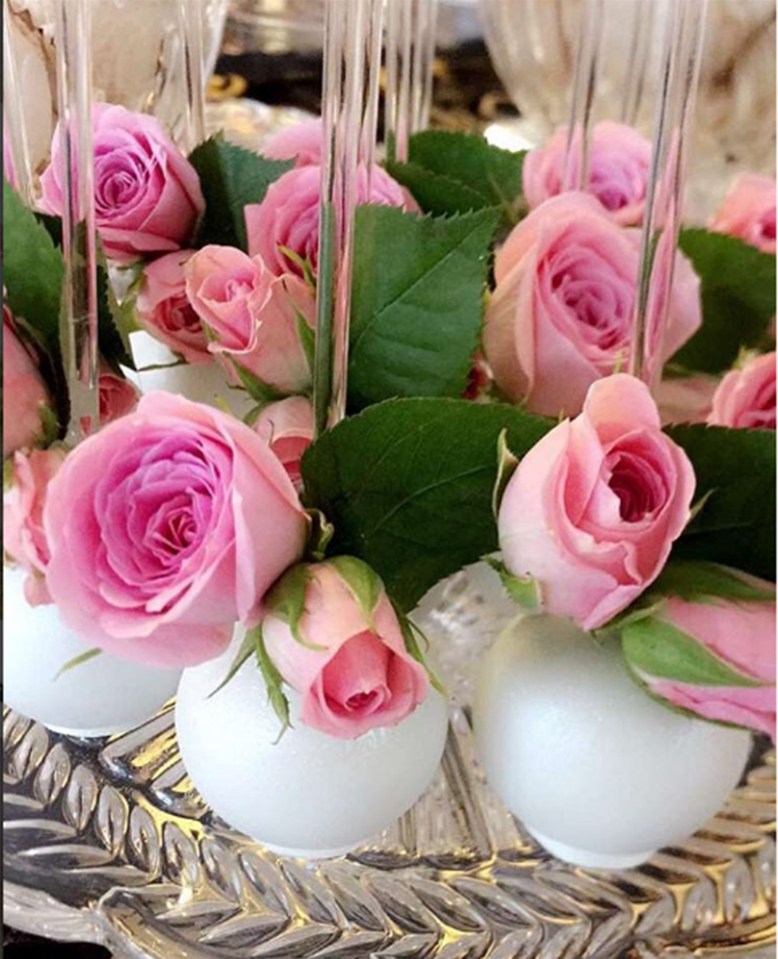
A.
pixel 598 772
pixel 101 696
pixel 307 794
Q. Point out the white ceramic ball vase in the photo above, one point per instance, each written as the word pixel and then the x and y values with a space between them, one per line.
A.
pixel 308 794
pixel 99 697
pixel 598 772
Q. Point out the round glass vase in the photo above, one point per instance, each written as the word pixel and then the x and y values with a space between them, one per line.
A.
pixel 99 697
pixel 599 773
pixel 304 793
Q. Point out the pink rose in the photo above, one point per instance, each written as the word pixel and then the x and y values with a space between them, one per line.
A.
pixel 748 211
pixel 739 634
pixel 619 164
pixel 288 217
pixel 25 397
pixel 164 311
pixel 116 395
pixel 165 528
pixel 23 537
pixel 147 194
pixel 745 398
pixel 253 318
pixel 561 314
pixel 592 510
pixel 287 426
pixel 301 142
pixel 362 677
pixel 687 399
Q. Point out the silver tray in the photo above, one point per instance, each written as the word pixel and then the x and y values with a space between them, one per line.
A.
pixel 106 840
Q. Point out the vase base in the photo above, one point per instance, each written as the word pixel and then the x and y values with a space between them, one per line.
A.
pixel 587 858
pixel 97 732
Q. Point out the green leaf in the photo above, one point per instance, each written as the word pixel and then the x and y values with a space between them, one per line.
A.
pixel 738 299
pixel 417 302
pixel 493 173
pixel 700 581
pixel 363 582
pixel 307 338
pixel 33 270
pixel 408 485
pixel 736 470
pixel 436 193
pixel 230 178
pixel 113 341
pixel 286 600
pixel 274 681
pixel 656 648
pixel 247 647
pixel 523 590
pixel 78 661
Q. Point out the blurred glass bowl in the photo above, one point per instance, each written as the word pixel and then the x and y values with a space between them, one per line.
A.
pixel 532 45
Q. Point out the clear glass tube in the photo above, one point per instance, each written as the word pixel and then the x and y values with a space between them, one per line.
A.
pixel 349 110
pixel 190 19
pixel 14 117
pixel 78 323
pixel 642 30
pixel 410 53
pixel 575 172
pixel 680 68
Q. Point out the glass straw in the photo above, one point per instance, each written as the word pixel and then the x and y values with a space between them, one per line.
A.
pixel 680 68
pixel 575 170
pixel 410 54
pixel 15 117
pixel 637 59
pixel 349 109
pixel 190 22
pixel 78 322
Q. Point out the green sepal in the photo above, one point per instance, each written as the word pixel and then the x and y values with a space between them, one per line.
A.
pixel 286 600
pixel 246 649
pixel 302 263
pixel 699 581
pixel 523 590
pixel 307 338
pixel 257 390
pixel 320 534
pixel 656 648
pixel 8 474
pixel 362 580
pixel 77 661
pixel 407 627
pixel 274 682
pixel 506 467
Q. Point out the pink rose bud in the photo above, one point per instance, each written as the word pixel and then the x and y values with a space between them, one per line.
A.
pixel 710 654
pixel 116 395
pixel 288 217
pixel 301 143
pixel 26 399
pixel 592 510
pixel 341 646
pixel 259 324
pixel 165 312
pixel 8 160
pixel 745 398
pixel 165 528
pixel 619 164
pixel 24 539
pixel 287 426
pixel 147 194
pixel 748 211
pixel 561 315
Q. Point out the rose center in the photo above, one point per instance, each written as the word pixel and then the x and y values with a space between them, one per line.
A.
pixel 637 484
